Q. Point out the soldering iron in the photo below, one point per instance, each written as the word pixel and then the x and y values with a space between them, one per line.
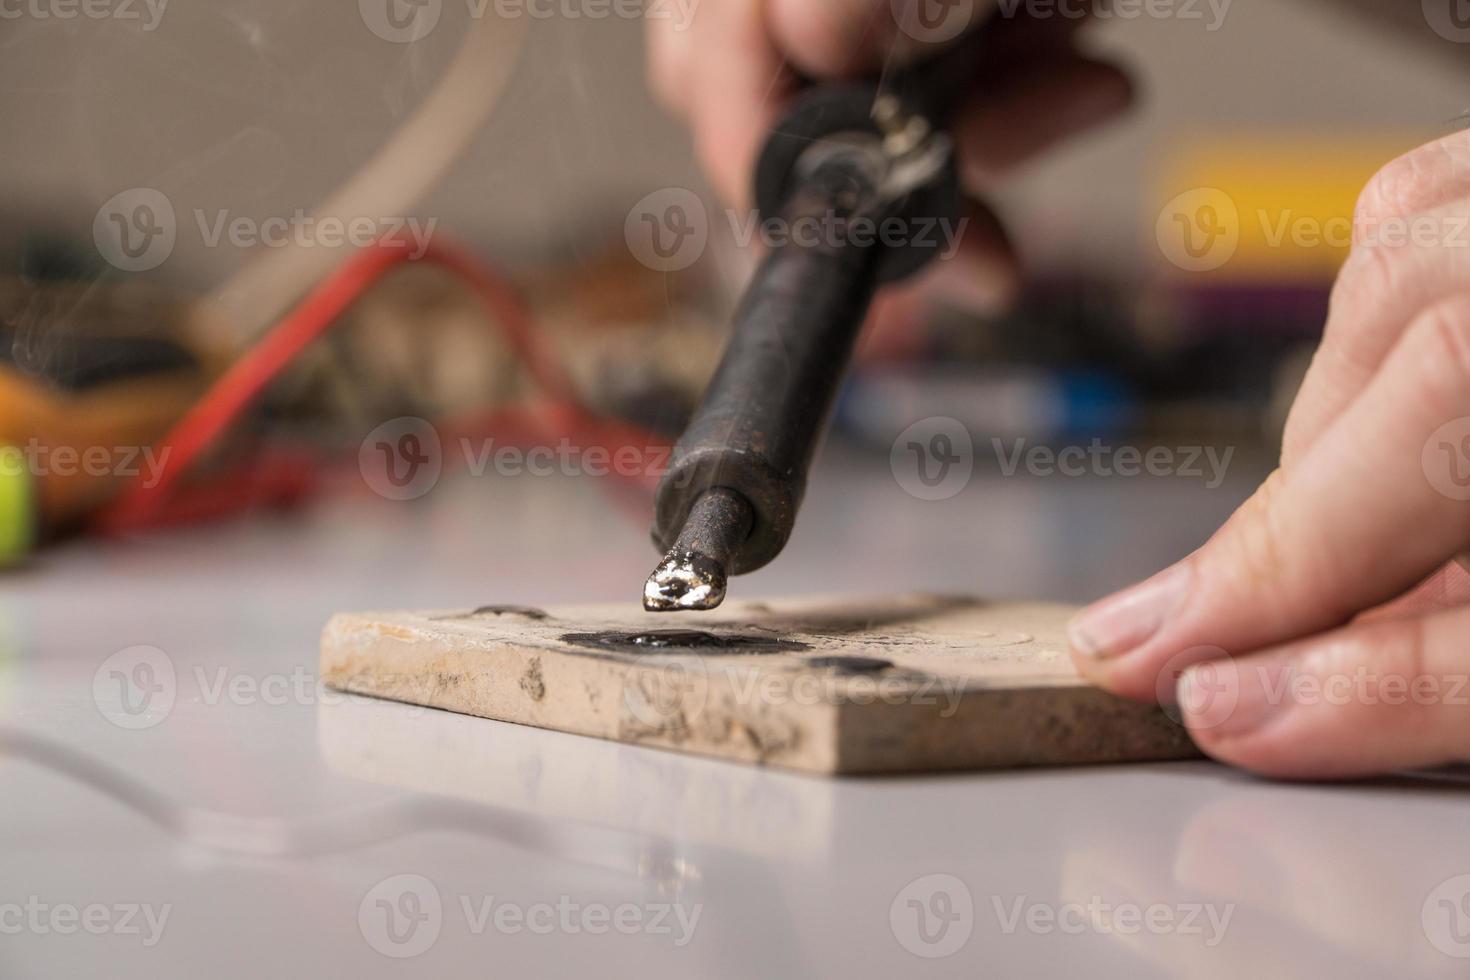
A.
pixel 850 160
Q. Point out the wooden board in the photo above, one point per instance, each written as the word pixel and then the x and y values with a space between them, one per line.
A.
pixel 899 684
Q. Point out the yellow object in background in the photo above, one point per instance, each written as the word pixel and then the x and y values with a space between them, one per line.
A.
pixel 19 517
pixel 1266 209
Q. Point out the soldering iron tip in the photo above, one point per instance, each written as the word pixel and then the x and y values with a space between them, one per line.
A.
pixel 693 575
pixel 685 581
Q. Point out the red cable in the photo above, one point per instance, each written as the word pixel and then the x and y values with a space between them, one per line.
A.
pixel 243 382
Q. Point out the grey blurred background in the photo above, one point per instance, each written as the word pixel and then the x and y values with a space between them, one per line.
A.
pixel 260 110
pixel 261 107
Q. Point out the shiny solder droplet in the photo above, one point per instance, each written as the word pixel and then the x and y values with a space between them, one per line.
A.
pixel 685 581
pixel 694 574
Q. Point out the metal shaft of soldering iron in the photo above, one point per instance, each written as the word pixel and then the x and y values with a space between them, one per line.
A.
pixel 738 474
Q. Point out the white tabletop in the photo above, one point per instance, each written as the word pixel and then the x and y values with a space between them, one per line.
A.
pixel 245 823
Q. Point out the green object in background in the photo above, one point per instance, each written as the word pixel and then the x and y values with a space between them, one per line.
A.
pixel 17 506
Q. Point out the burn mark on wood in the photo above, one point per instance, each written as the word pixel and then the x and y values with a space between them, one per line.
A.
pixel 850 665
pixel 532 681
pixel 527 612
pixel 679 641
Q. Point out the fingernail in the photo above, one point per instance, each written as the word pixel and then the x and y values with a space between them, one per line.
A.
pixel 1124 621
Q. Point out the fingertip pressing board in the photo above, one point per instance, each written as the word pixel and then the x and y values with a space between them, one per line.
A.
pixel 900 684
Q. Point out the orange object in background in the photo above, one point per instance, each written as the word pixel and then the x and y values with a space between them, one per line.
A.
pixel 78 447
pixel 84 400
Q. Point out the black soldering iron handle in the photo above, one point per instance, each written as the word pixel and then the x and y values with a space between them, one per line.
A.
pixel 767 405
